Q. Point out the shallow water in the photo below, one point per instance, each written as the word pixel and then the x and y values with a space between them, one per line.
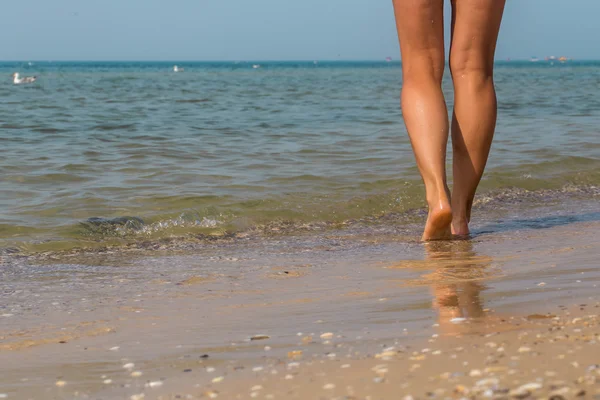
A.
pixel 224 148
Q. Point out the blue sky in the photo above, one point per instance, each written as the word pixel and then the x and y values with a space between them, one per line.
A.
pixel 265 29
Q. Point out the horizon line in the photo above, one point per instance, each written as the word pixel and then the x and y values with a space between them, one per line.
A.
pixel 508 59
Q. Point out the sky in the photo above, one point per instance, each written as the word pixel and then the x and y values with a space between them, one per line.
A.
pixel 266 30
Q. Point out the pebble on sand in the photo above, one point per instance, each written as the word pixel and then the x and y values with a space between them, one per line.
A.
pixel 494 369
pixel 136 374
pixel 129 366
pixel 461 390
pixel 294 354
pixel 329 386
pixel 385 355
pixel 260 337
pixel 218 379
pixel 525 390
pixel 487 382
pixel 524 349
pixel 560 392
pixel 380 369
pixel 60 383
pixel 327 335
pixel 137 396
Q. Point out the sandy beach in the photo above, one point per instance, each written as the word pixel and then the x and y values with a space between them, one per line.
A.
pixel 355 314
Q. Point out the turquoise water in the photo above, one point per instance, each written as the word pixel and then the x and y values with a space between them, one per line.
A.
pixel 113 152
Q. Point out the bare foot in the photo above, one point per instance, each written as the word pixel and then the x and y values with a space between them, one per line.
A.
pixel 460 227
pixel 438 222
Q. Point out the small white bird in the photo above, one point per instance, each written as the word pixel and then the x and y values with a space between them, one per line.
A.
pixel 177 69
pixel 17 80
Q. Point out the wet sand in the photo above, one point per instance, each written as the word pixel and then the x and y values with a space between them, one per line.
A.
pixel 356 314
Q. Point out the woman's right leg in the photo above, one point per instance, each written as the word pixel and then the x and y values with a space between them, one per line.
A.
pixel 420 26
pixel 475 27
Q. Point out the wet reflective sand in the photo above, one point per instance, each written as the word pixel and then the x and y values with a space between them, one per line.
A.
pixel 80 321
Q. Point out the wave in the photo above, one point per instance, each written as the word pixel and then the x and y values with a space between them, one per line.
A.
pixel 275 218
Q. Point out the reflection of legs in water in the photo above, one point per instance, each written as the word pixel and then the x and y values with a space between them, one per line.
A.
pixel 455 281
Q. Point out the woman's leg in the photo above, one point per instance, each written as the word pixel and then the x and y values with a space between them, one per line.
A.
pixel 420 25
pixel 475 27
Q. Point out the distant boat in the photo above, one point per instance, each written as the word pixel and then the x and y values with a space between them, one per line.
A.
pixel 177 69
pixel 17 80
pixel 388 59
pixel 256 66
pixel 534 59
pixel 562 59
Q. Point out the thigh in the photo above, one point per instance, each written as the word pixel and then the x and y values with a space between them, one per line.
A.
pixel 420 25
pixel 475 28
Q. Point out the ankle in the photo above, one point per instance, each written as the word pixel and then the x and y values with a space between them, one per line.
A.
pixel 460 224
pixel 459 217
pixel 438 198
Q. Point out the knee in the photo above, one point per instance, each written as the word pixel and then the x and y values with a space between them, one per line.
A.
pixel 423 69
pixel 471 65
